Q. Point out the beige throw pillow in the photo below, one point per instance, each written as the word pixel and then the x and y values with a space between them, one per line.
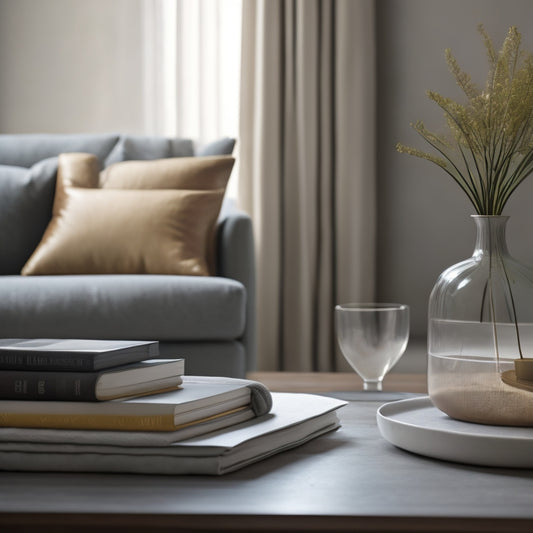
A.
pixel 195 173
pixel 130 227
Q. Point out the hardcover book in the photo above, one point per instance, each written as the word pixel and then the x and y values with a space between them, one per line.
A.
pixel 146 377
pixel 199 400
pixel 73 354
pixel 294 419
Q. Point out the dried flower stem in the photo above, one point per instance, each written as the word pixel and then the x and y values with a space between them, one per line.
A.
pixel 488 150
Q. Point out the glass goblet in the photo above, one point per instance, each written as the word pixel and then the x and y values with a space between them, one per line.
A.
pixel 372 338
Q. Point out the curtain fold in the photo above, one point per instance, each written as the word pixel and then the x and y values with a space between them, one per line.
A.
pixel 307 170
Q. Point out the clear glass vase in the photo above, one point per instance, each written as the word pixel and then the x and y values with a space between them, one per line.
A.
pixel 480 320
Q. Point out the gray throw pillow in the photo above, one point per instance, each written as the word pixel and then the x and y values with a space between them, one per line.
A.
pixel 222 146
pixel 141 148
pixel 25 150
pixel 26 198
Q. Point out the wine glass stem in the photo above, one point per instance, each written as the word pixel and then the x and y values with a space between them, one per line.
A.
pixel 373 385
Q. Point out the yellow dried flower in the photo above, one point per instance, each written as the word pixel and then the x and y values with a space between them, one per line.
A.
pixel 489 147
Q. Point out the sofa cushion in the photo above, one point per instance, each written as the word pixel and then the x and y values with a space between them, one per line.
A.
pixel 142 148
pixel 166 308
pixel 208 358
pixel 131 147
pixel 26 197
pixel 24 150
pixel 222 146
pixel 161 230
pixel 128 232
pixel 195 173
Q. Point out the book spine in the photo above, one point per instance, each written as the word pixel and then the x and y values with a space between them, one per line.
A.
pixel 22 360
pixel 53 386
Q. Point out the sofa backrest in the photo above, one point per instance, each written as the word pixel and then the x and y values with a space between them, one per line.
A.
pixel 28 168
pixel 25 150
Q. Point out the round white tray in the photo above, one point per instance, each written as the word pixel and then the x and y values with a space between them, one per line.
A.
pixel 417 426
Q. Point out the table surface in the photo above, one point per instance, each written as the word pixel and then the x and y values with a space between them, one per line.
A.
pixel 351 479
pixel 319 382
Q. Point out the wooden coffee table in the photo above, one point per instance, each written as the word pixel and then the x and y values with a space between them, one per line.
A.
pixel 349 480
pixel 318 382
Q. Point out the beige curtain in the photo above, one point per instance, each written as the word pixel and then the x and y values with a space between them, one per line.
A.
pixel 307 170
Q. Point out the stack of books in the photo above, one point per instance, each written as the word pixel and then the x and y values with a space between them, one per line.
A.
pixel 109 385
pixel 111 406
pixel 83 370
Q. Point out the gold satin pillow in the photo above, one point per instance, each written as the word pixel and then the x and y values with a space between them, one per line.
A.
pixel 195 173
pixel 146 220
pixel 75 170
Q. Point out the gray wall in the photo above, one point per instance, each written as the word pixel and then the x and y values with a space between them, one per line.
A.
pixel 77 65
pixel 424 223
pixel 70 66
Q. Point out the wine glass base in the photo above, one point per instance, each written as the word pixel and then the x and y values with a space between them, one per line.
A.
pixel 373 385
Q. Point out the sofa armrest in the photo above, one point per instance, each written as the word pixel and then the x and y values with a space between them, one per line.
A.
pixel 236 260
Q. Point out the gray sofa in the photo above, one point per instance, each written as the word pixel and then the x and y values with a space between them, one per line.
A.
pixel 208 320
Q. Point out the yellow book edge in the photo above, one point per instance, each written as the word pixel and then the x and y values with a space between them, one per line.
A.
pixel 103 422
